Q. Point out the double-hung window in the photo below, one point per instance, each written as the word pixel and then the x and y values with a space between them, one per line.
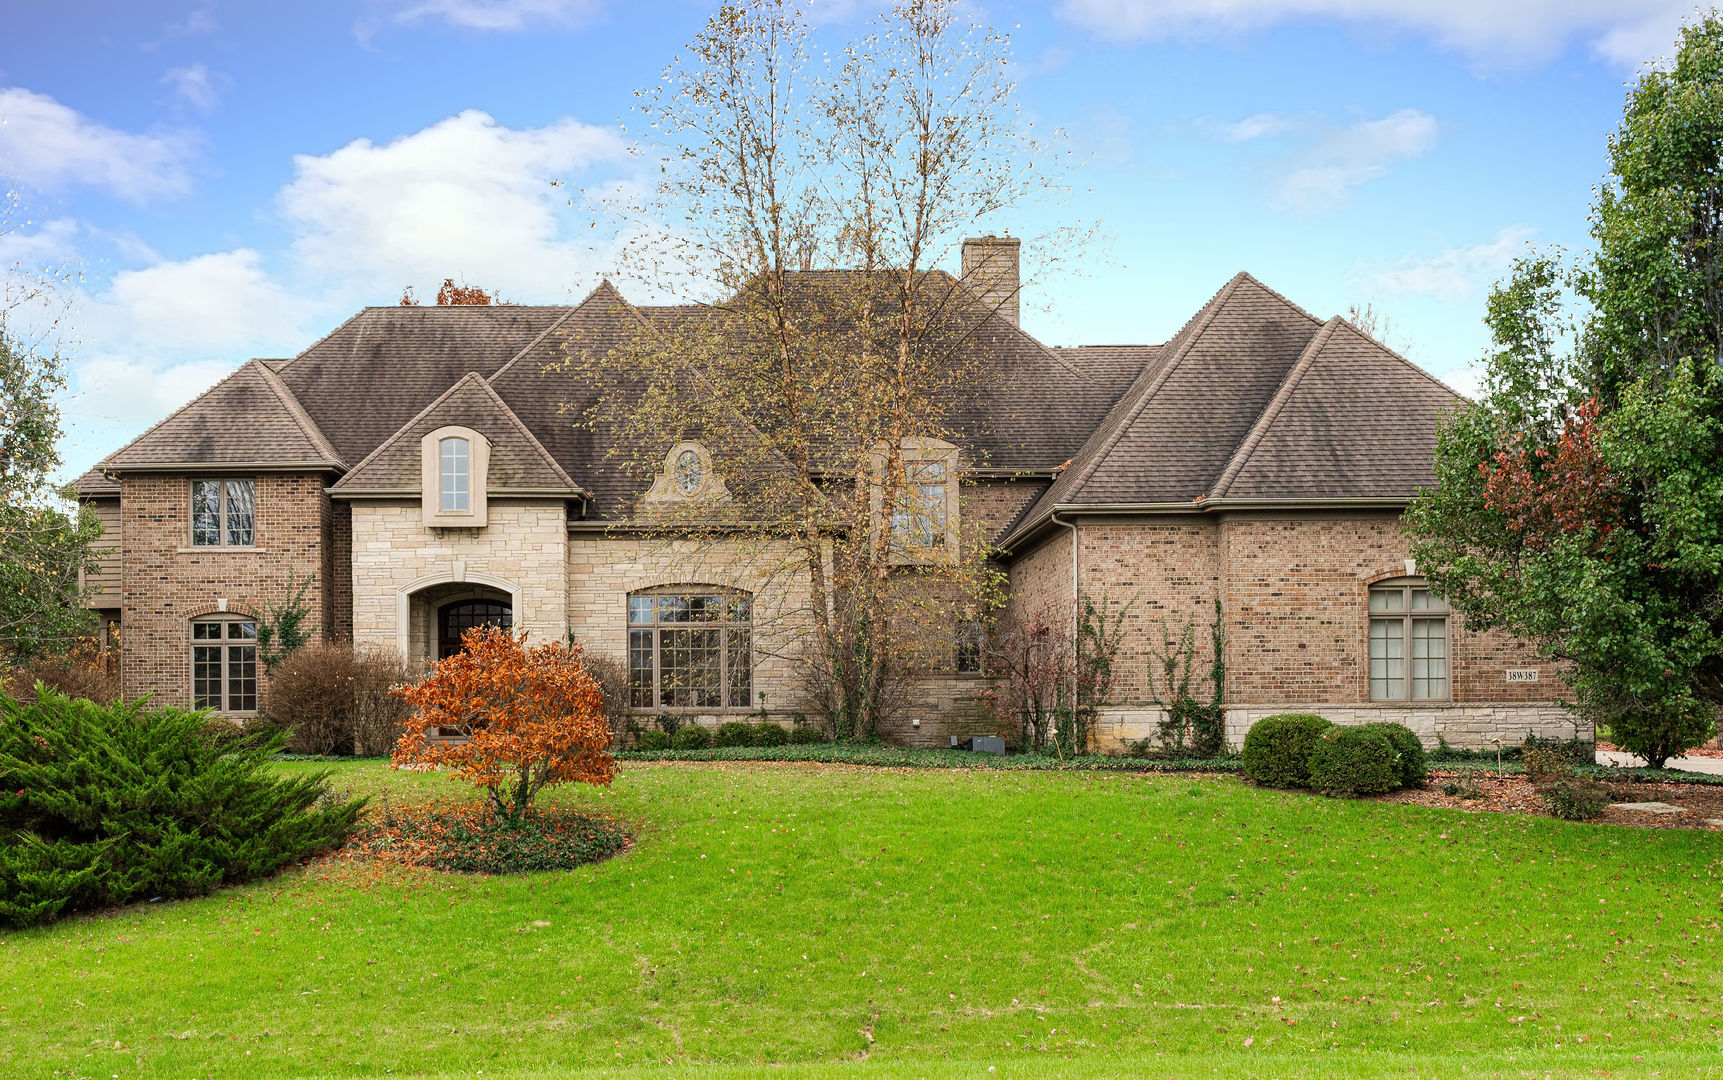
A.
pixel 1409 639
pixel 223 513
pixel 920 520
pixel 455 475
pixel 690 649
pixel 224 665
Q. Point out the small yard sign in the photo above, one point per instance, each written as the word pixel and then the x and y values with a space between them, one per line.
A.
pixel 1522 674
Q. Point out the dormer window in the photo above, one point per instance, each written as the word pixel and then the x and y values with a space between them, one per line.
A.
pixel 687 477
pixel 454 455
pixel 924 516
pixel 454 467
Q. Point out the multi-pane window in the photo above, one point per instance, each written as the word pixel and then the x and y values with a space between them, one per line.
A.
pixel 455 476
pixel 969 639
pixel 1408 643
pixel 223 513
pixel 920 518
pixel 690 649
pixel 224 665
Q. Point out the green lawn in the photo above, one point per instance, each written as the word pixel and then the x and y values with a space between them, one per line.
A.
pixel 846 921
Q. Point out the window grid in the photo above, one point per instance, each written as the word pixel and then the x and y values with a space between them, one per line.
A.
pixel 1401 616
pixel 920 518
pixel 223 513
pixel 224 665
pixel 690 650
pixel 454 483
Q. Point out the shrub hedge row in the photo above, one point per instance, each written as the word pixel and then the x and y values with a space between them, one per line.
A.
pixel 1301 750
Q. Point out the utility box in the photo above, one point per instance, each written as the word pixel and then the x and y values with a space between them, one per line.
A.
pixel 988 744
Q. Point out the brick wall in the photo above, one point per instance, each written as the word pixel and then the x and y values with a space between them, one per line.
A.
pixel 167 582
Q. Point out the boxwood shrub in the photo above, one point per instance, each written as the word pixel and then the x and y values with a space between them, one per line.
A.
pixel 1408 752
pixel 804 736
pixel 1277 749
pixel 105 804
pixel 691 737
pixel 654 740
pixel 733 733
pixel 769 734
pixel 1350 761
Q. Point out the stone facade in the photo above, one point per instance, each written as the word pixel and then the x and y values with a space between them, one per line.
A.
pixel 167 582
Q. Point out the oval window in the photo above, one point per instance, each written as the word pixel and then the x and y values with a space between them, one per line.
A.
pixel 689 472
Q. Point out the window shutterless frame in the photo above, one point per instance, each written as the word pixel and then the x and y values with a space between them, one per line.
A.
pixel 223 513
pixel 690 648
pixel 1410 654
pixel 224 664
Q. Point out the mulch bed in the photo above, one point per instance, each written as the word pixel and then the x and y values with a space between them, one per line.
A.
pixel 470 839
pixel 1516 795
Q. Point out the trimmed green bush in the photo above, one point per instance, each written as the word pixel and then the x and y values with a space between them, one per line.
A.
pixel 1408 752
pixel 654 740
pixel 769 734
pixel 105 804
pixel 1351 761
pixel 804 736
pixel 733 733
pixel 691 737
pixel 1277 749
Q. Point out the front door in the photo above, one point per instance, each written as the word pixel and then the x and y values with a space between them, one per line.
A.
pixel 454 620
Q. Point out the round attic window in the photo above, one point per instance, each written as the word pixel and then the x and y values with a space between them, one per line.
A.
pixel 690 470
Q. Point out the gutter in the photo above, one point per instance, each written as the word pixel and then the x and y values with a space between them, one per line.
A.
pixel 1358 502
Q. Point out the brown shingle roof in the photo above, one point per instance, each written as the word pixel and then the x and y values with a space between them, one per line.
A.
pixel 519 462
pixel 96 484
pixel 248 419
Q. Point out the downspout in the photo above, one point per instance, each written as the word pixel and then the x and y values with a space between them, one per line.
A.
pixel 1076 621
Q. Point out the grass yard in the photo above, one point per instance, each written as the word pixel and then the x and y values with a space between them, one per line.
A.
pixel 846 921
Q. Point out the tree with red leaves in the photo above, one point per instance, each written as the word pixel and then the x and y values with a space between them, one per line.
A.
pixel 452 295
pixel 522 719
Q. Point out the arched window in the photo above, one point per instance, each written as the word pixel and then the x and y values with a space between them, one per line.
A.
pixel 455 475
pixel 1408 642
pixel 454 620
pixel 690 647
pixel 224 664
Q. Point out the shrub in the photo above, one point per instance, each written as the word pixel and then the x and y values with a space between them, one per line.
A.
pixel 119 802
pixel 1545 763
pixel 378 712
pixel 86 672
pixel 654 740
pixel 1350 761
pixel 733 733
pixel 691 737
pixel 1658 734
pixel 767 733
pixel 1277 749
pixel 1409 756
pixel 311 694
pixel 611 675
pixel 1575 800
pixel 804 736
pixel 531 718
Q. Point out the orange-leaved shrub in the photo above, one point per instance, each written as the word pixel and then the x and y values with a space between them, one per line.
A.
pixel 511 718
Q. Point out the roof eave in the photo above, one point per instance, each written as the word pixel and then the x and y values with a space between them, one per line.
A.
pixel 1043 521
pixel 317 465
pixel 338 492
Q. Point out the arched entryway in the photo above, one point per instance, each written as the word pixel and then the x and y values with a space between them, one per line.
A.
pixel 457 617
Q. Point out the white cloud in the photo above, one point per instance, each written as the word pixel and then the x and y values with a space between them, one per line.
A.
pixel 494 15
pixel 196 85
pixel 1499 31
pixel 1261 126
pixel 1322 176
pixel 49 146
pixel 463 197
pixel 221 302
pixel 1454 274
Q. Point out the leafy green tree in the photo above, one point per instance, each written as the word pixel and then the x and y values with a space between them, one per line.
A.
pixel 44 540
pixel 1580 500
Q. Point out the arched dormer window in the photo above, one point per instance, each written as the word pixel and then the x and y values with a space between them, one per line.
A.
pixel 454 465
pixel 454 488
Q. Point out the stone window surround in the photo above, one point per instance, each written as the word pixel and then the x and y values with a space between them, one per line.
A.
pixel 722 625
pixel 189 547
pixel 476 515
pixel 918 449
pixel 457 574
pixel 1404 573
pixel 665 488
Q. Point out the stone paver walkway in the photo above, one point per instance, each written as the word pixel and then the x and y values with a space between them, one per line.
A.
pixel 1687 764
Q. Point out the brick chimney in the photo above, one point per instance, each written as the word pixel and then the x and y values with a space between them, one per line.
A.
pixel 990 271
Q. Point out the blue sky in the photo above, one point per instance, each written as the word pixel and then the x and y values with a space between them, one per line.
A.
pixel 233 179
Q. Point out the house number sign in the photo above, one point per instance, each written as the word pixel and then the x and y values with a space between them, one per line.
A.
pixel 1522 674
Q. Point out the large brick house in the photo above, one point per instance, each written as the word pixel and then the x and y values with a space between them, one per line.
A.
pixel 422 468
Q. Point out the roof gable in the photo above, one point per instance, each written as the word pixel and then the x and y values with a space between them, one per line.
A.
pixel 248 419
pixel 519 463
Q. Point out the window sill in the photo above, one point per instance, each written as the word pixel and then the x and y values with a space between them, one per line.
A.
pixel 200 549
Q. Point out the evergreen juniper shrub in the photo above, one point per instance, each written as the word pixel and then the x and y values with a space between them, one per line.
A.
pixel 1408 750
pixel 1351 761
pixel 691 737
pixel 1277 749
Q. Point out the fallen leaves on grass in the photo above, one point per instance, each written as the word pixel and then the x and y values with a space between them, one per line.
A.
pixel 470 839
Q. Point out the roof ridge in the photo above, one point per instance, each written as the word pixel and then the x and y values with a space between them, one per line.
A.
pixel 1288 385
pixel 301 354
pixel 529 346
pixel 532 440
pixel 1350 325
pixel 297 411
pixel 420 415
pixel 1278 295
pixel 146 432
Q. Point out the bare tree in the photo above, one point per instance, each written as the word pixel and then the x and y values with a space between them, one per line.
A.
pixel 809 209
